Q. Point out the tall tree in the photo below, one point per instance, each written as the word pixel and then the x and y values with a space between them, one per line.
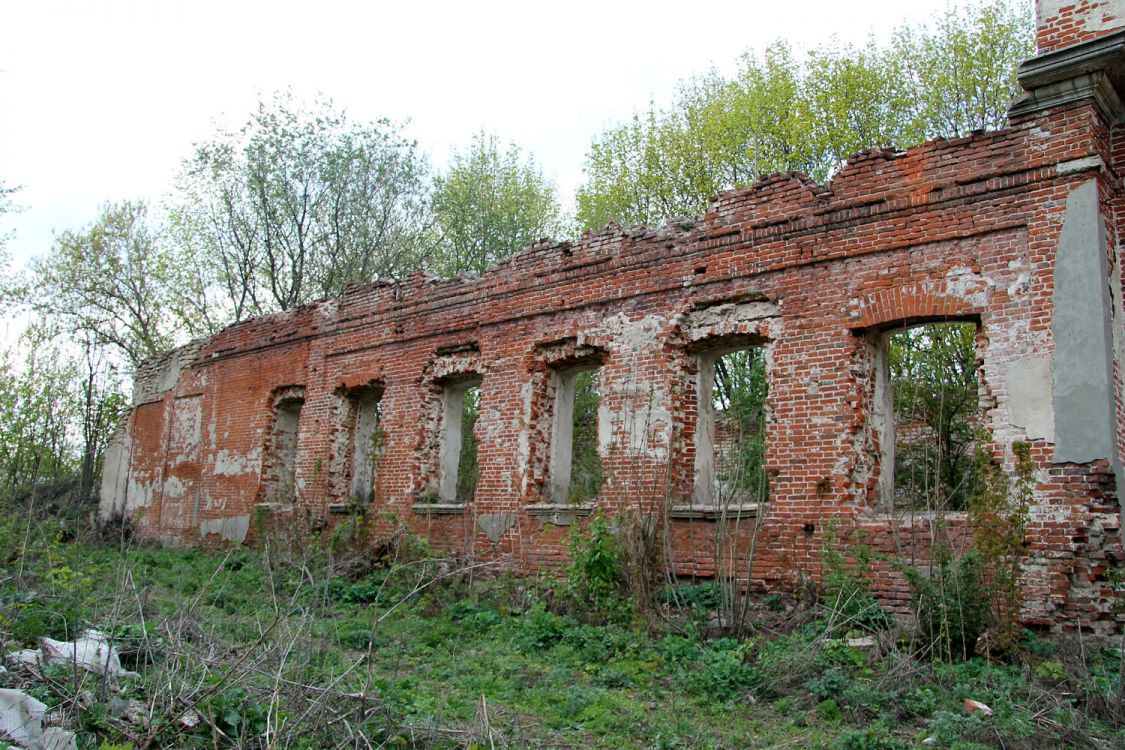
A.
pixel 5 207
pixel 780 113
pixel 299 203
pixel 489 204
pixel 960 74
pixel 110 280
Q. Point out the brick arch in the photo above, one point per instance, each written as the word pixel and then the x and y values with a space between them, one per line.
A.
pixel 912 303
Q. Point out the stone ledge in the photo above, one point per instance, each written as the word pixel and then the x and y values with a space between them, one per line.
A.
pixel 344 509
pixel 559 514
pixel 713 513
pixel 1092 70
pixel 905 515
pixel 438 509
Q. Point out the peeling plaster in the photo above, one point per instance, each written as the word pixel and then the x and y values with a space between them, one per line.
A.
pixel 174 487
pixel 1100 17
pixel 230 464
pixel 231 529
pixel 139 495
pixel 495 524
pixel 968 285
pixel 1029 397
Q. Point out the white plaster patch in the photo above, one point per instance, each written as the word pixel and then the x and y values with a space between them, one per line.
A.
pixel 523 441
pixel 230 464
pixel 630 334
pixel 644 419
pixel 1029 397
pixel 174 487
pixel 170 375
pixel 138 495
pixel 231 529
pixel 187 427
pixel 115 475
pixel 705 323
pixel 1019 286
pixel 1101 17
pixel 1050 513
pixel 969 286
pixel 493 425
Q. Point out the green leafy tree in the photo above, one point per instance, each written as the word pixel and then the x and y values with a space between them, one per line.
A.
pixel 37 417
pixel 779 113
pixel 59 404
pixel 960 74
pixel 298 204
pixel 111 281
pixel 10 286
pixel 6 207
pixel 489 204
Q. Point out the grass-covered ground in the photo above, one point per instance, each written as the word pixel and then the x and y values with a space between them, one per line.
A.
pixel 344 643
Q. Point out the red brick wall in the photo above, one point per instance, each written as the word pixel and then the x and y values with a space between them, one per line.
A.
pixel 1063 23
pixel 963 229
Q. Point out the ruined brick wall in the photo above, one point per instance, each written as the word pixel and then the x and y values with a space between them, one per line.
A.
pixel 1002 228
pixel 1065 23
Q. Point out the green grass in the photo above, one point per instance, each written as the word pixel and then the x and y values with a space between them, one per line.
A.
pixel 311 647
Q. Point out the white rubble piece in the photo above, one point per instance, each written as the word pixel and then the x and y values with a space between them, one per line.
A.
pixel 21 721
pixel 27 657
pixel 91 651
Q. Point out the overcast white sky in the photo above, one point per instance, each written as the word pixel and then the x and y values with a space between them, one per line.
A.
pixel 101 100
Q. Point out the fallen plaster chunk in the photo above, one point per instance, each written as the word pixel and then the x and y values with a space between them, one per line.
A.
pixel 21 721
pixel 91 651
pixel 26 657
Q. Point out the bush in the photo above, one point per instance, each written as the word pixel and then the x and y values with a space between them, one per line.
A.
pixel 950 605
pixel 596 577
pixel 846 590
pixel 540 628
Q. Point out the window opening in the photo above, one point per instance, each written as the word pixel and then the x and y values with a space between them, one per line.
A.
pixel 461 405
pixel 731 428
pixel 281 480
pixel 367 442
pixel 930 389
pixel 576 465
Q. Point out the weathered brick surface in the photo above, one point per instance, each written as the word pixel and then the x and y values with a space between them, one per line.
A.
pixel 965 229
pixel 1064 23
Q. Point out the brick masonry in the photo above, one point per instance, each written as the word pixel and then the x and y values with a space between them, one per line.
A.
pixel 968 229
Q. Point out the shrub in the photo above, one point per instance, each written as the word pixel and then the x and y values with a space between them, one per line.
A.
pixel 540 628
pixel 846 590
pixel 998 515
pixel 950 604
pixel 725 674
pixel 596 576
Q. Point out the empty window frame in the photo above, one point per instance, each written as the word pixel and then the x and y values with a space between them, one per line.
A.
pixel 281 463
pixel 927 415
pixel 458 449
pixel 730 442
pixel 366 407
pixel 575 469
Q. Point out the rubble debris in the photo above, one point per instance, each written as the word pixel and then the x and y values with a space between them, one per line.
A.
pixel 21 722
pixel 91 651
